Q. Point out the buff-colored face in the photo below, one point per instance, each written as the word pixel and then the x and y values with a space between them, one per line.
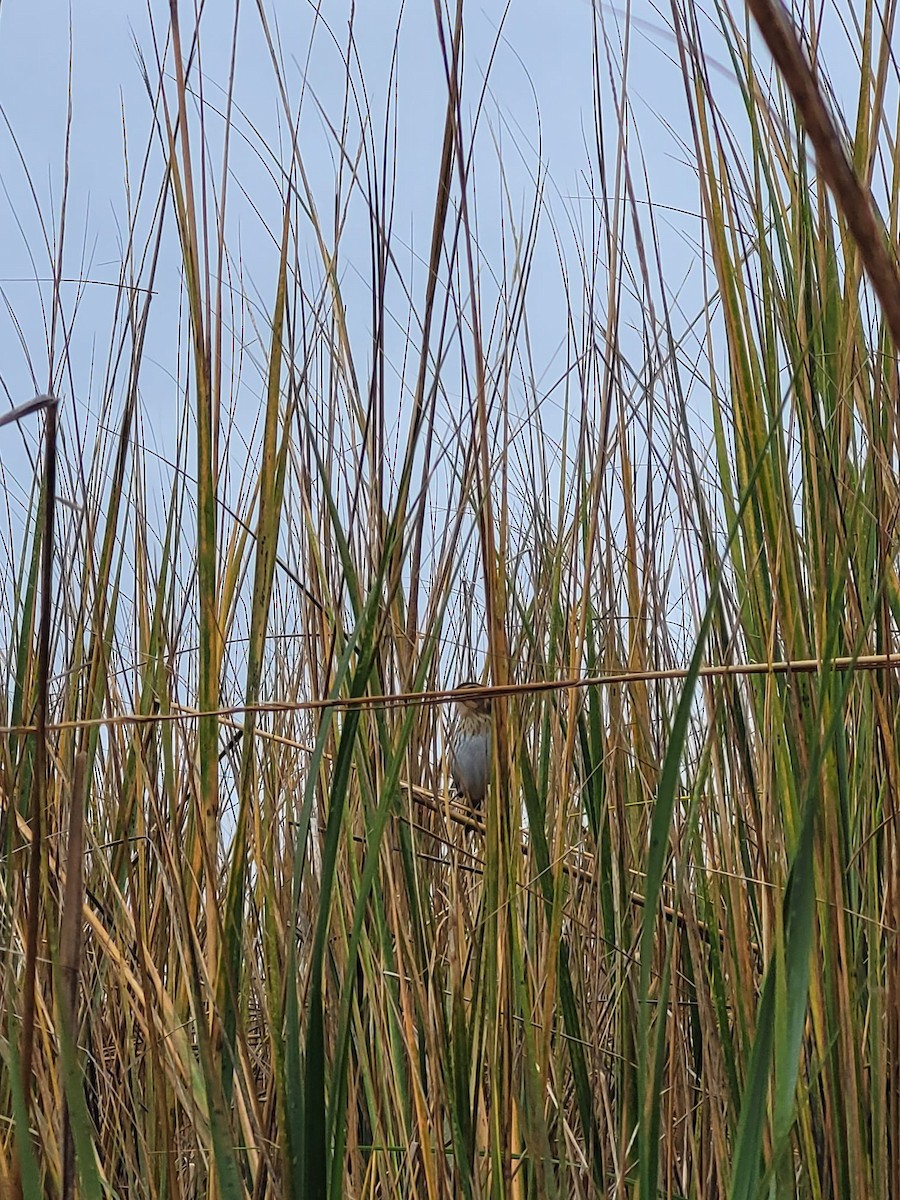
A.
pixel 478 706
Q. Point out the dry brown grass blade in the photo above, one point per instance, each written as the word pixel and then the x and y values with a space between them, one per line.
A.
pixel 41 758
pixel 855 199
pixel 70 949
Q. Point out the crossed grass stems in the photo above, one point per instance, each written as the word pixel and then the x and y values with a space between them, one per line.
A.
pixel 331 1003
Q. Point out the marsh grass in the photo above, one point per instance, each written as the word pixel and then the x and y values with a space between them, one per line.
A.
pixel 663 960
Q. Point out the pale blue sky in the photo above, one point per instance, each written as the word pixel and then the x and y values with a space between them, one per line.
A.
pixel 542 65
pixel 542 60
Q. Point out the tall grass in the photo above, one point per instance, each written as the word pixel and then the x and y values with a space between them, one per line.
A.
pixel 271 956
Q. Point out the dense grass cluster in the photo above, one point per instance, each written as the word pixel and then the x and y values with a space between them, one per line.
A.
pixel 250 945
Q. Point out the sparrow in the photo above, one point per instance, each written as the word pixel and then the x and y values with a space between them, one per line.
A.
pixel 470 745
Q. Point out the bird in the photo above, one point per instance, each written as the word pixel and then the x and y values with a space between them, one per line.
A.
pixel 470 745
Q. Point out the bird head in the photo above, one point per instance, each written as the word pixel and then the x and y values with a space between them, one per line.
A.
pixel 472 705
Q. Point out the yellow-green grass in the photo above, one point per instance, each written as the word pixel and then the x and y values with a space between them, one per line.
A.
pixel 270 955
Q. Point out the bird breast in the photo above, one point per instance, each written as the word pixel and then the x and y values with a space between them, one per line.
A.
pixel 470 761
